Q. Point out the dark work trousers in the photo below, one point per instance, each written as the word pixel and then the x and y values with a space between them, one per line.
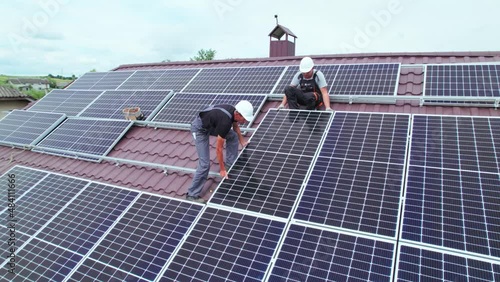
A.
pixel 201 140
pixel 296 97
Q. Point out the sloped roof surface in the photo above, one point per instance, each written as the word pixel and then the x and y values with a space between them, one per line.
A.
pixel 7 92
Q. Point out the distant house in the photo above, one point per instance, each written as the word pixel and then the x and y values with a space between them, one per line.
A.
pixel 29 83
pixel 11 99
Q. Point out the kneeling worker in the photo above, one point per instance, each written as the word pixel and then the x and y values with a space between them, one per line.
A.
pixel 308 88
pixel 217 120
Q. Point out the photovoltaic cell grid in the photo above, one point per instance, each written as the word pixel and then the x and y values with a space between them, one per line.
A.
pixel 112 102
pixel 463 143
pixel 40 261
pixel 268 175
pixel 82 223
pixel 462 80
pixel 174 80
pixel 423 265
pixel 69 102
pixel 112 80
pixel 357 179
pixel 146 236
pixel 141 80
pixel 23 179
pixel 86 81
pixel 226 245
pixel 310 254
pixel 24 128
pixel 259 80
pixel 84 136
pixel 211 80
pixel 184 107
pixel 366 79
pixel 91 270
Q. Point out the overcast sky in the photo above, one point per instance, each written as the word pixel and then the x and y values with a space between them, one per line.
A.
pixel 74 36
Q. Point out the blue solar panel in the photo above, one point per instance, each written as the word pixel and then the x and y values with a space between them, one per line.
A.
pixel 454 209
pixel 22 179
pixel 174 80
pixel 226 245
pixel 310 254
pixel 259 80
pixel 112 80
pixel 112 102
pixel 91 270
pixel 462 80
pixel 145 237
pixel 423 265
pixel 86 81
pixel 213 80
pixel 141 80
pixel 69 102
pixel 40 261
pixel 366 79
pixel 465 143
pixel 24 128
pixel 286 79
pixel 82 223
pixel 90 136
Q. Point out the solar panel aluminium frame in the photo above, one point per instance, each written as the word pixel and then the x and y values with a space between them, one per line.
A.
pixel 303 185
pixel 401 192
pixel 370 96
pixel 43 135
pixel 117 220
pixel 80 155
pixel 329 229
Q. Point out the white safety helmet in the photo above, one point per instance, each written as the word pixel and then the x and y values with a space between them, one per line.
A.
pixel 245 108
pixel 306 64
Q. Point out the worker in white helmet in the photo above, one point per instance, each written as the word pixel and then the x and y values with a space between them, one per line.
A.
pixel 221 121
pixel 308 88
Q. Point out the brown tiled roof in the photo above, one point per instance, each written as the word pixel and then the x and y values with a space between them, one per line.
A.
pixel 175 147
pixel 8 92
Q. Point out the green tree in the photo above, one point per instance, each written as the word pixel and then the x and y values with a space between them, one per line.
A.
pixel 92 70
pixel 204 55
pixel 52 83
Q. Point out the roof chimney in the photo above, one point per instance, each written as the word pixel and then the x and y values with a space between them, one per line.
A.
pixel 278 47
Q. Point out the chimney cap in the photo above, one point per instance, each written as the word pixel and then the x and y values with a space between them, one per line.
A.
pixel 279 31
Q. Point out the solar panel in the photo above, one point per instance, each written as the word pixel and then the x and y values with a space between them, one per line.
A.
pixel 86 81
pixel 357 180
pixel 69 102
pixel 226 245
pixel 112 80
pixel 465 143
pixel 141 80
pixel 22 179
pixel 268 175
pixel 24 128
pixel 40 261
pixel 142 241
pixel 211 80
pixel 87 217
pixel 91 270
pixel 90 136
pixel 329 71
pixel 310 254
pixel 366 79
pixel 462 80
pixel 174 80
pixel 454 209
pixel 259 80
pixel 417 264
pixel 183 107
pixel 112 102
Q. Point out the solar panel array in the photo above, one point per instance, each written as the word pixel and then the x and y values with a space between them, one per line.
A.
pixel 183 107
pixel 23 128
pixel 69 102
pixel 174 80
pixel 89 136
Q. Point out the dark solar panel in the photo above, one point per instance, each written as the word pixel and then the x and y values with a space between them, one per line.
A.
pixel 69 102
pixel 366 79
pixel 86 81
pixel 464 143
pixel 286 79
pixel 112 102
pixel 462 80
pixel 39 261
pixel 83 222
pixel 184 107
pixel 90 136
pixel 423 265
pixel 310 254
pixel 141 80
pixel 174 80
pixel 259 80
pixel 112 80
pixel 454 209
pixel 146 236
pixel 91 270
pixel 211 80
pixel 226 246
pixel 23 128
pixel 21 180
